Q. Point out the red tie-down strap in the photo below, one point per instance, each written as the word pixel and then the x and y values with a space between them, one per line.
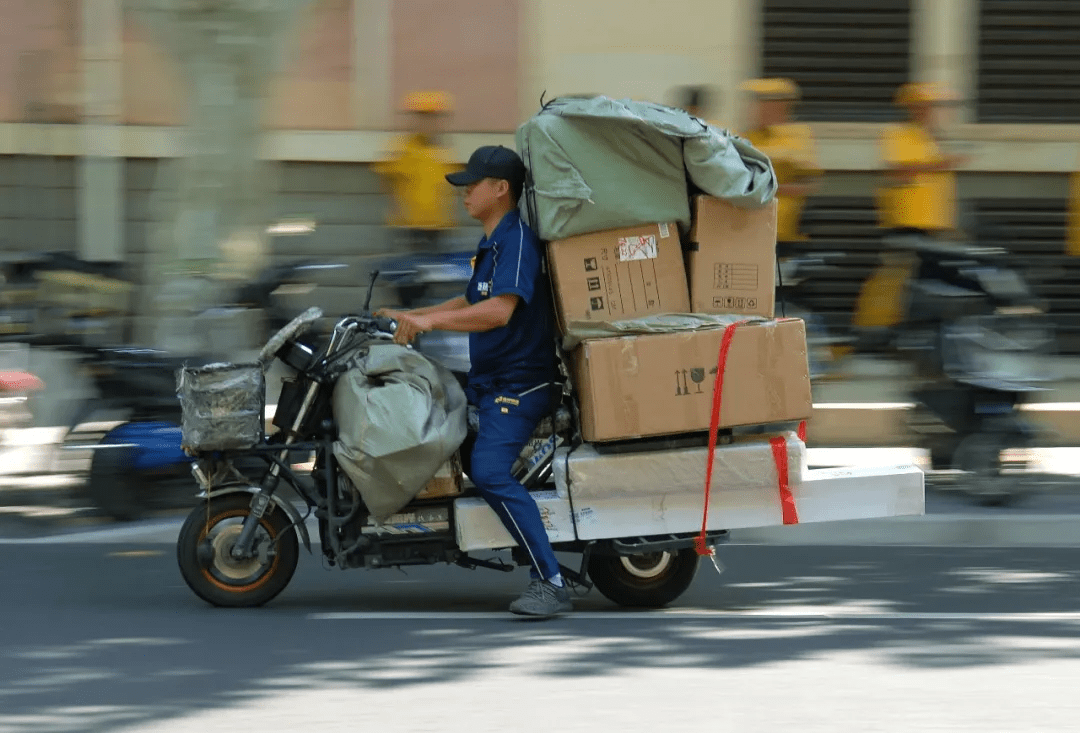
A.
pixel 714 425
pixel 779 449
pixel 787 501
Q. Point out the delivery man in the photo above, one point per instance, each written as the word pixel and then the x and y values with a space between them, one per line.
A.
pixel 507 311
pixel 790 146
pixel 918 203
pixel 415 173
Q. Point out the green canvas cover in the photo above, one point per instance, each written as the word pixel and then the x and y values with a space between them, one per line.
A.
pixel 601 163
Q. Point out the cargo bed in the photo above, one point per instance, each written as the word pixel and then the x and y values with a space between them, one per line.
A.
pixel 607 496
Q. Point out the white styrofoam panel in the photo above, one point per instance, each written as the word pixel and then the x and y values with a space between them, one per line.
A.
pixel 479 527
pixel 824 495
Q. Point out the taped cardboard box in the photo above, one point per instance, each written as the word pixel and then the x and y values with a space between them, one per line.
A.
pixel 619 274
pixel 662 384
pixel 731 258
pixel 447 481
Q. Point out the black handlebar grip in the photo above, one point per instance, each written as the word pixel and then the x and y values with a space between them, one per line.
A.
pixel 387 325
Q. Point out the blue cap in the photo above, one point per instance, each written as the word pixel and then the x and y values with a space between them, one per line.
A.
pixel 490 161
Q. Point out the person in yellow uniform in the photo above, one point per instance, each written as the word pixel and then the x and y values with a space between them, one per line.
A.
pixel 790 145
pixel 423 203
pixel 917 205
pixel 1072 232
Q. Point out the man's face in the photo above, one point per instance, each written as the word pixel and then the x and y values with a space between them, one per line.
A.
pixel 481 197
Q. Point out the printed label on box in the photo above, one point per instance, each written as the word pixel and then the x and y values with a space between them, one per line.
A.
pixel 727 276
pixel 637 248
pixel 665 231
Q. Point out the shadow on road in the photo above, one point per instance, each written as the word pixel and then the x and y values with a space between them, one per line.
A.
pixel 95 638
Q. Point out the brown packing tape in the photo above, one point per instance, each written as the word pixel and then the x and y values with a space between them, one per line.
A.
pixel 627 364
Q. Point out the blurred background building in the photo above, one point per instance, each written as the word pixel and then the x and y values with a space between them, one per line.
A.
pixel 95 94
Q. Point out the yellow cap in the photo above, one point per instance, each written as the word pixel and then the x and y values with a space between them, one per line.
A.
pixel 923 93
pixel 427 102
pixel 774 88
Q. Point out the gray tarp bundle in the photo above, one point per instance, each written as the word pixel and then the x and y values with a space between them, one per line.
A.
pixel 602 163
pixel 400 416
pixel 578 331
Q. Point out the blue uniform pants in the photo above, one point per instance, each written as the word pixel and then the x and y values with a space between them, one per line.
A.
pixel 508 416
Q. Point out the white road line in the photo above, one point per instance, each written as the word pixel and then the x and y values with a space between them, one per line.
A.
pixel 778 614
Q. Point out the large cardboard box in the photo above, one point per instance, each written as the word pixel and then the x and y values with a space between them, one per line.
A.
pixel 619 274
pixel 661 384
pixel 731 259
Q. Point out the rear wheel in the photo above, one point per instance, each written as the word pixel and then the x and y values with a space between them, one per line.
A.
pixel 113 485
pixel 986 477
pixel 645 580
pixel 203 551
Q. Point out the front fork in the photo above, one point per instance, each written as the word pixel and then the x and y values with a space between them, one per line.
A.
pixel 260 502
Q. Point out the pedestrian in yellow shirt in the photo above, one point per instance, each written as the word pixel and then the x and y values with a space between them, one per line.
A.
pixel 917 206
pixel 921 193
pixel 416 174
pixel 790 146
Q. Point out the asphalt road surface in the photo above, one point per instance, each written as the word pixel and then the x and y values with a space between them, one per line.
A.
pixel 98 636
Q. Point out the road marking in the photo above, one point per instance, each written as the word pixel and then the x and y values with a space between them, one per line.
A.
pixel 776 614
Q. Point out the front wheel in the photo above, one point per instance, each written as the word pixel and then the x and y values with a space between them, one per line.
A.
pixel 645 580
pixel 204 546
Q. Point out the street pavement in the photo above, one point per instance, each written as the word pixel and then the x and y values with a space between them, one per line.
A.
pixel 106 637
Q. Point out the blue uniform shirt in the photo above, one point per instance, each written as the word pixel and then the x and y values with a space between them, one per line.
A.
pixel 511 262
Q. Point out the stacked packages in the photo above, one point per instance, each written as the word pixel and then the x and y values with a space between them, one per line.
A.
pixel 662 234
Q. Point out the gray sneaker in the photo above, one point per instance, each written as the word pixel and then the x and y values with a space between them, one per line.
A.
pixel 542 600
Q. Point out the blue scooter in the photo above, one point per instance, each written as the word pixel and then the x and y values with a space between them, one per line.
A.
pixel 139 466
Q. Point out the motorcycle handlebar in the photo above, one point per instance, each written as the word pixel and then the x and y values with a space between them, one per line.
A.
pixel 385 324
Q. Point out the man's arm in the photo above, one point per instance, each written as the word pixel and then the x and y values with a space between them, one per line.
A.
pixel 447 305
pixel 483 316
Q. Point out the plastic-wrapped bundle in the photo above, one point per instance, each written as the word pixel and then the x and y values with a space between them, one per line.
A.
pixel 223 406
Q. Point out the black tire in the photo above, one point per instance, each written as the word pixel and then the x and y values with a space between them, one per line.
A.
pixel 222 581
pixel 112 485
pixel 648 580
pixel 979 457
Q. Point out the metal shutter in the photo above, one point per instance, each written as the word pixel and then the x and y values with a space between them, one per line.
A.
pixel 848 56
pixel 841 224
pixel 1029 61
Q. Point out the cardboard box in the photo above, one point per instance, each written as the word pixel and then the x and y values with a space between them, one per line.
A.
pixel 731 259
pixel 447 482
pixel 661 384
pixel 619 274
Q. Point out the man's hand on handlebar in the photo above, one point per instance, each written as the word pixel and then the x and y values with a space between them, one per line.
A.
pixel 409 325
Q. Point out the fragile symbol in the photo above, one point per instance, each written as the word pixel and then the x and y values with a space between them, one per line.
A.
pixel 590 264
pixel 593 283
pixel 682 384
pixel 597 304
